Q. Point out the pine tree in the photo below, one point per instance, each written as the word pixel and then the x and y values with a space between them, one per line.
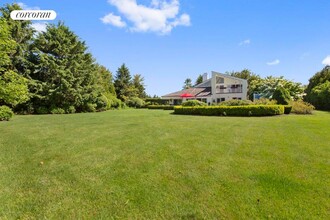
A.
pixel 104 80
pixel 199 80
pixel 64 72
pixel 138 83
pixel 123 85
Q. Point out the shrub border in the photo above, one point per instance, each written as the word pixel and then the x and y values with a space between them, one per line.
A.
pixel 250 110
pixel 161 107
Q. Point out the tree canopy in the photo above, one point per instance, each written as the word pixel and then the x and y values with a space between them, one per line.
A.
pixel 317 91
pixel 187 83
pixel 53 71
pixel 199 80
pixel 13 87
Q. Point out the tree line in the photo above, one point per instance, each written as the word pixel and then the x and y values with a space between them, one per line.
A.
pixel 53 72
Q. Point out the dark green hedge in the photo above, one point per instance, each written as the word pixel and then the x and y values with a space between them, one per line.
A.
pixel 251 110
pixel 287 109
pixel 156 101
pixel 161 107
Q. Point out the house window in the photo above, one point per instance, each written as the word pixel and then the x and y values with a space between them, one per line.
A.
pixel 239 98
pixel 218 101
pixel 222 99
pixel 219 80
pixel 204 100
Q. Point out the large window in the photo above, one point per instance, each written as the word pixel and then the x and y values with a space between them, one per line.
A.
pixel 219 80
pixel 234 88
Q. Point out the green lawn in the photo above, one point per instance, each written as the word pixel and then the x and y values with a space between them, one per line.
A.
pixel 150 164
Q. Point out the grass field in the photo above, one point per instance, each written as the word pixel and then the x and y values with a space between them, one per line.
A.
pixel 145 164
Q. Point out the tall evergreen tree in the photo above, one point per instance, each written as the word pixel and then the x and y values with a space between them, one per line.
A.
pixel 104 80
pixel 138 83
pixel 123 85
pixel 64 74
pixel 199 80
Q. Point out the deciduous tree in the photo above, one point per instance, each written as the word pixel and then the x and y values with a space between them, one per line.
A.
pixel 187 83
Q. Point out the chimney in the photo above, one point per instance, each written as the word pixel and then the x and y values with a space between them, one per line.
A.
pixel 204 77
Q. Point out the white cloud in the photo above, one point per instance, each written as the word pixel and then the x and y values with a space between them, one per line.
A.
pixel 25 7
pixel 39 26
pixel 326 60
pixel 160 17
pixel 275 62
pixel 245 42
pixel 113 20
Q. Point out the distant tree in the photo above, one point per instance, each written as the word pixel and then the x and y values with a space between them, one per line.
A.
pixel 138 83
pixel 319 78
pixel 199 80
pixel 187 83
pixel 123 84
pixel 320 96
pixel 281 95
pixel 268 86
pixel 104 80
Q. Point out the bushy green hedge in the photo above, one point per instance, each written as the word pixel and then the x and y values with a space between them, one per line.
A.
pixel 249 110
pixel 57 111
pixel 193 103
pixel 5 113
pixel 156 101
pixel 135 102
pixel 161 107
pixel 168 107
pixel 236 102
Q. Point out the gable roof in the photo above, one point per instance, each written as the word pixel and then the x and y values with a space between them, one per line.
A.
pixel 228 76
pixel 206 83
pixel 196 92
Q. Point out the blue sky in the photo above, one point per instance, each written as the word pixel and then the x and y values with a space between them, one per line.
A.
pixel 169 41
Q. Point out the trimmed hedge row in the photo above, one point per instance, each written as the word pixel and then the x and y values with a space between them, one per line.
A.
pixel 249 110
pixel 160 107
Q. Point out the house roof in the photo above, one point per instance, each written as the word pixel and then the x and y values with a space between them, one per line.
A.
pixel 206 83
pixel 228 76
pixel 196 92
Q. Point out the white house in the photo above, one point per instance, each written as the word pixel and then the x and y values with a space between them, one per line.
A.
pixel 220 87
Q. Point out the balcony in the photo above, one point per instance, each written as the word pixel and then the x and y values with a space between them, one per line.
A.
pixel 222 89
